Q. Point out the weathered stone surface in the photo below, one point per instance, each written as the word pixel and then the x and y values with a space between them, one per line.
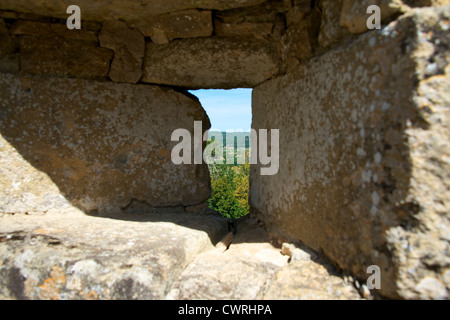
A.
pixel 6 14
pixel 252 268
pixel 262 21
pixel 296 254
pixel 128 46
pixel 342 17
pixel 330 29
pixel 23 188
pixel 298 41
pixel 152 256
pixel 307 280
pixel 426 3
pixel 100 146
pixel 128 10
pixel 26 27
pixel 63 57
pixel 371 184
pixel 297 11
pixel 424 257
pixel 210 63
pixel 177 25
pixel 7 45
pixel 9 62
pixel 258 30
pixel 51 48
pixel 243 272
pixel 364 158
pixel 265 12
pixel 354 13
pixel 74 256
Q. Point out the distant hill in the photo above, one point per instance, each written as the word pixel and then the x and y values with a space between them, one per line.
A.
pixel 230 139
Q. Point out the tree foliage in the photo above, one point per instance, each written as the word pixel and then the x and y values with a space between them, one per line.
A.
pixel 230 187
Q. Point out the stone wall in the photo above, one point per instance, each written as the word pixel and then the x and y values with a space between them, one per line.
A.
pixel 111 149
pixel 76 132
pixel 86 118
pixel 175 43
pixel 363 164
pixel 101 145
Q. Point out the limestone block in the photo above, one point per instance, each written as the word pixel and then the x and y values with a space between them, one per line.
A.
pixel 242 272
pixel 260 21
pixel 97 146
pixel 7 44
pixel 26 27
pixel 354 13
pixel 63 57
pixel 128 46
pixel 258 30
pixel 177 25
pixel 80 257
pixel 425 3
pixel 330 29
pixel 210 63
pixel 297 12
pixel 265 12
pixel 9 61
pixel 343 17
pixel 127 10
pixel 306 280
pixel 298 42
pixel 51 48
pixel 364 167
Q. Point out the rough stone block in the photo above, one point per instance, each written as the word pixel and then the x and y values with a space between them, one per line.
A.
pixel 80 257
pixel 63 57
pixel 94 145
pixel 210 63
pixel 258 30
pixel 330 29
pixel 265 12
pixel 364 166
pixel 10 63
pixel 178 25
pixel 26 27
pixel 315 283
pixel 297 12
pixel 128 46
pixel 298 42
pixel 127 10
pixel 261 21
pixel 7 45
pixel 354 13
pixel 242 272
pixel 343 17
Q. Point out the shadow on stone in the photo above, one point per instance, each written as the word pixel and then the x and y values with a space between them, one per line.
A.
pixel 97 146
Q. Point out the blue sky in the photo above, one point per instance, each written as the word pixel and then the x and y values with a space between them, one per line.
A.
pixel 227 109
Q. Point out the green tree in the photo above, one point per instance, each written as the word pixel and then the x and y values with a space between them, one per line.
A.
pixel 241 184
pixel 230 187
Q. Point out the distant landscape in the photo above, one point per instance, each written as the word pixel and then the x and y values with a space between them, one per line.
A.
pixel 230 182
pixel 235 136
